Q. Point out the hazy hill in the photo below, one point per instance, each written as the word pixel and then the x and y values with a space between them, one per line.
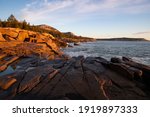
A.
pixel 65 36
pixel 48 28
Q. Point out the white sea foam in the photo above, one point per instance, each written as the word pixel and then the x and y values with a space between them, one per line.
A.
pixel 138 51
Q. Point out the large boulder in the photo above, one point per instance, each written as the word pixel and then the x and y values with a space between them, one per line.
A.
pixel 23 35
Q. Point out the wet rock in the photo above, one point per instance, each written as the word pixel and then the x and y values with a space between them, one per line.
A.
pixel 37 92
pixel 76 78
pixel 5 64
pixel 102 61
pixel 122 69
pixel 116 60
pixel 143 68
pixel 95 86
pixel 137 72
pixel 59 65
pixel 78 62
pixel 12 91
pixel 126 58
pixel 6 82
pixel 32 78
pixel 95 67
pixel 122 87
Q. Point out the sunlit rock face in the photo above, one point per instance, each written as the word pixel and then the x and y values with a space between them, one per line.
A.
pixel 1 37
pixel 18 42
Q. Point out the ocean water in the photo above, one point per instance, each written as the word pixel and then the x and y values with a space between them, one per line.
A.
pixel 137 50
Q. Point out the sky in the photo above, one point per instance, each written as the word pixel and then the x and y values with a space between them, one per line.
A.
pixel 91 18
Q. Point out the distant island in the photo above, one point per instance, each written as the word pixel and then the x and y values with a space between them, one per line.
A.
pixel 122 39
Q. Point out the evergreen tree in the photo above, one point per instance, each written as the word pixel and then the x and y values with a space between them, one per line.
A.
pixel 24 25
pixel 12 22
pixel 4 23
pixel 1 23
pixel 11 18
pixel 15 24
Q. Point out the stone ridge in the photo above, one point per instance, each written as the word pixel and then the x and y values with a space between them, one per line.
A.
pixel 91 78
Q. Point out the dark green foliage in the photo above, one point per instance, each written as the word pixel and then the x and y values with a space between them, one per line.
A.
pixel 0 23
pixel 25 25
pixel 14 23
pixel 11 18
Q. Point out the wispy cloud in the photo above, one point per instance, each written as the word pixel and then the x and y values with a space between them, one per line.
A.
pixel 65 9
pixel 141 33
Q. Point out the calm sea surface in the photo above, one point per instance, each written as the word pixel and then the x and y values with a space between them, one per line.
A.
pixel 137 50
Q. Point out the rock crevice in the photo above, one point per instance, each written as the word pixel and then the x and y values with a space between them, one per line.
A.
pixel 75 78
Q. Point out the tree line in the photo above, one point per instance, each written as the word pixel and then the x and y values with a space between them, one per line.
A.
pixel 14 23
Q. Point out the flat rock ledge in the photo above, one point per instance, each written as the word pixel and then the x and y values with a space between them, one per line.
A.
pixel 78 78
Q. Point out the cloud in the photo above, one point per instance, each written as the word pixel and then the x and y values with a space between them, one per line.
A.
pixel 73 9
pixel 39 9
pixel 142 33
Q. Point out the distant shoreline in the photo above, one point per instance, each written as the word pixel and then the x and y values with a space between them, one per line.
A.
pixel 122 39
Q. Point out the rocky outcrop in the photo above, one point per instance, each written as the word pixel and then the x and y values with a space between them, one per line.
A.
pixel 9 33
pixel 33 67
pixel 18 42
pixel 12 34
pixel 76 78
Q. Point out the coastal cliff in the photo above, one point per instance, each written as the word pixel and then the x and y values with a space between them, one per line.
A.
pixel 33 67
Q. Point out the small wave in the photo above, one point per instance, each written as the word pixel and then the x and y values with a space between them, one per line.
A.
pixel 143 60
pixel 137 51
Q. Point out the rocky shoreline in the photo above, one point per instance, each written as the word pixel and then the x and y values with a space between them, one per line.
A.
pixel 39 70
pixel 90 78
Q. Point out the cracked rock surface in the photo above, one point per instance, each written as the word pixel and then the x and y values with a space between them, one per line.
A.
pixel 91 78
